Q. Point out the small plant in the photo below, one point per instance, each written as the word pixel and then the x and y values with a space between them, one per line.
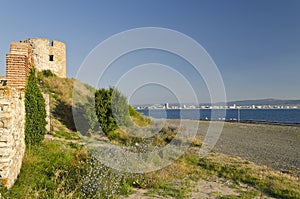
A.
pixel 102 181
pixel 47 73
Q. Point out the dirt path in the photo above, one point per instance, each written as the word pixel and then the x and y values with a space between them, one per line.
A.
pixel 203 189
pixel 206 189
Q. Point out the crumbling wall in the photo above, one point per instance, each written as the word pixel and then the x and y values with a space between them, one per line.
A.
pixel 22 56
pixel 12 137
pixel 48 55
pixel 18 64
pixel 12 112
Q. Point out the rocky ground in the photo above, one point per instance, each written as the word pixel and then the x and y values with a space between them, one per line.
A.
pixel 271 145
pixel 203 189
pixel 275 146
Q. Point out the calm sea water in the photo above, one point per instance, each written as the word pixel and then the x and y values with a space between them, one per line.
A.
pixel 269 115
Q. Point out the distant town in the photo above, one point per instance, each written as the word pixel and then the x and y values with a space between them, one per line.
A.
pixel 234 106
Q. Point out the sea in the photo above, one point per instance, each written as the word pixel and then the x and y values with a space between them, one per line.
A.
pixel 260 115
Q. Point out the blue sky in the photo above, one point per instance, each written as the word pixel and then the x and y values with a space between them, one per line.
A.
pixel 254 43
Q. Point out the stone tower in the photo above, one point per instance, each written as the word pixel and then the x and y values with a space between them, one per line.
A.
pixel 48 55
pixel 43 55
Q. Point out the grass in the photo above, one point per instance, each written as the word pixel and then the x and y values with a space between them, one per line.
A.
pixel 138 119
pixel 61 131
pixel 57 169
pixel 171 181
pixel 50 170
pixel 263 180
pixel 267 180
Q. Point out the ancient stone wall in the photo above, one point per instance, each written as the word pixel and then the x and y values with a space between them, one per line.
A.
pixel 22 56
pixel 12 138
pixel 48 55
pixel 12 112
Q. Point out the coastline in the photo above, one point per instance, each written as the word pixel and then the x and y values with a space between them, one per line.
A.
pixel 264 116
pixel 262 122
pixel 272 145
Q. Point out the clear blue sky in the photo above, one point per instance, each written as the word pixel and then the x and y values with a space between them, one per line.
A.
pixel 255 43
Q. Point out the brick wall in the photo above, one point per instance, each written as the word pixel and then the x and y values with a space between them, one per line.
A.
pixel 18 63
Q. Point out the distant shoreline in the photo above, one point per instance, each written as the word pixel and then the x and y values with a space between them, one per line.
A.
pixel 216 108
pixel 260 122
pixel 283 117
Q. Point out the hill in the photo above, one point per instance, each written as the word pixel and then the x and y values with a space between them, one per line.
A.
pixel 62 167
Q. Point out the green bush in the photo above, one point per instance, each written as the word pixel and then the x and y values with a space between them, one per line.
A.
pixel 35 118
pixel 111 109
pixel 47 73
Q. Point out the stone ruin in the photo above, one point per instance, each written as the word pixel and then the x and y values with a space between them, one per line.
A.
pixel 23 55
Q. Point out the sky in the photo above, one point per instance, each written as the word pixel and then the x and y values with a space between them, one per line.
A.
pixel 255 44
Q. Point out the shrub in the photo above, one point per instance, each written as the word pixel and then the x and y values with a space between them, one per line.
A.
pixel 111 109
pixel 101 181
pixel 47 73
pixel 35 118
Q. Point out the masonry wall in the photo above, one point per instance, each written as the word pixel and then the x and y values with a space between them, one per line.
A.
pixel 48 55
pixel 12 112
pixel 22 56
pixel 12 138
pixel 18 63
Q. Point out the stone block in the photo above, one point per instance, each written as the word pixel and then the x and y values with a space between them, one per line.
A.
pixel 5 152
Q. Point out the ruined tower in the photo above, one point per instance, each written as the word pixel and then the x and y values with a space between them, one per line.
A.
pixel 48 55
pixel 43 55
pixel 18 63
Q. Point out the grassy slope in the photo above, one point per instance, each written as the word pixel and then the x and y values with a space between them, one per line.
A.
pixel 49 171
pixel 55 168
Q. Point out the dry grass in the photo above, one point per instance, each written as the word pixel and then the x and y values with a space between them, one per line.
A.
pixel 177 179
pixel 265 179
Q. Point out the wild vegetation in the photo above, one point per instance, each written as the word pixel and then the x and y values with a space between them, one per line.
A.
pixel 50 170
pixel 111 109
pixel 35 118
pixel 66 169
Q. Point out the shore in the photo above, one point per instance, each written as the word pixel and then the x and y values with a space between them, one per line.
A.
pixel 275 146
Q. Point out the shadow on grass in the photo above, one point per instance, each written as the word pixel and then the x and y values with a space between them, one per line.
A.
pixel 80 117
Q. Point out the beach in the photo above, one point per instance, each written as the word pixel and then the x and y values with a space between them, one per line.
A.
pixel 271 145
